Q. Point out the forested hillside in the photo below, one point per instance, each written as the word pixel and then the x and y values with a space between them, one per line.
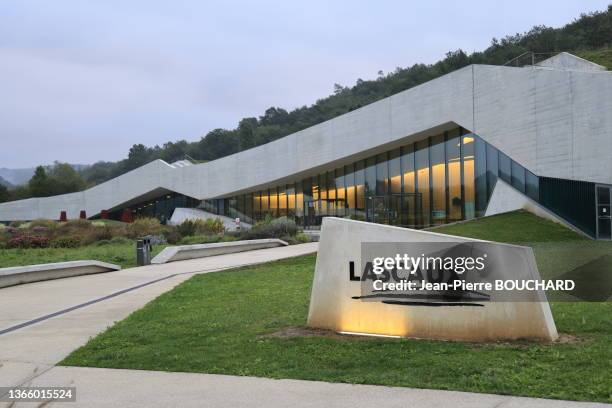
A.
pixel 589 36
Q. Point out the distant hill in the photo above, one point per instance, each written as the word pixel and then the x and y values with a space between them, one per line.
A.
pixel 5 183
pixel 18 177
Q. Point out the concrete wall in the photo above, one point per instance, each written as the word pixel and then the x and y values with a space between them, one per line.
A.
pixel 568 61
pixel 332 305
pixel 556 123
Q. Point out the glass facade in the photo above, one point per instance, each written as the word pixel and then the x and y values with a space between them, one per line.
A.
pixel 444 178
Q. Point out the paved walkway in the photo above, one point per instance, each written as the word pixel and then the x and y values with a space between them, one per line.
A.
pixel 41 323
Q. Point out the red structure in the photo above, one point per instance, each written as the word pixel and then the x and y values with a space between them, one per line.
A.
pixel 63 216
pixel 104 214
pixel 83 215
pixel 126 216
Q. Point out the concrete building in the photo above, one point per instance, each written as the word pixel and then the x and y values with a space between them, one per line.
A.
pixel 477 141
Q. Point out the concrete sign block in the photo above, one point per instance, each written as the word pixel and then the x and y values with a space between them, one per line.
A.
pixel 339 302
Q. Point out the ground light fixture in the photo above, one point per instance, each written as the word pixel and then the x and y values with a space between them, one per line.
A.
pixel 349 333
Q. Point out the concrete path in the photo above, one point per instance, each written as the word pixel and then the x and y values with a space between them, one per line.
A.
pixel 41 323
pixel 37 346
pixel 99 387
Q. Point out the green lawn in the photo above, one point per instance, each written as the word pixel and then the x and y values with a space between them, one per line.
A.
pixel 222 323
pixel 515 227
pixel 122 254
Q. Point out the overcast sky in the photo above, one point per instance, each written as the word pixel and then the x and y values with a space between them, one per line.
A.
pixel 82 81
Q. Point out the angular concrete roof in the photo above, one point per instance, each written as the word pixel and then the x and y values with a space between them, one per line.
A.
pixel 554 122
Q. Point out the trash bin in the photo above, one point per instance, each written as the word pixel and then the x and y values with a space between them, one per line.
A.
pixel 144 248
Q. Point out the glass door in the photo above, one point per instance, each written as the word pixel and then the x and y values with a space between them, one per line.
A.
pixel 310 219
pixel 604 220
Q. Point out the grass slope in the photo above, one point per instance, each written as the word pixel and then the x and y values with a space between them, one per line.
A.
pixel 124 255
pixel 601 56
pixel 221 323
pixel 518 226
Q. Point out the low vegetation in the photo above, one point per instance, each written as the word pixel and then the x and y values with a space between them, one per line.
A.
pixel 206 323
pixel 115 251
pixel 42 241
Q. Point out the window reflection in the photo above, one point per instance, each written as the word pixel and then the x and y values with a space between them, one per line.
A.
pixel 467 151
pixel 453 160
pixel 422 171
pixel 438 180
pixel 443 178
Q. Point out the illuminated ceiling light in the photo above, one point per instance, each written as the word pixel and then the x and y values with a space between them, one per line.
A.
pixel 369 334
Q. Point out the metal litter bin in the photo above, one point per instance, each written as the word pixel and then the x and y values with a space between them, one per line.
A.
pixel 144 248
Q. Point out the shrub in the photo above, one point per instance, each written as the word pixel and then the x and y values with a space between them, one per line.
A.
pixel 25 241
pixel 12 230
pixel 302 238
pixel 39 229
pixel 66 242
pixel 144 226
pixel 207 226
pixel 102 242
pixel 78 224
pixel 268 228
pixel 16 224
pixel 172 235
pixel 95 234
pixel 48 224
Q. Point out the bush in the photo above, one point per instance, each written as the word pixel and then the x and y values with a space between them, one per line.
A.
pixel 77 224
pixel 144 226
pixel 95 234
pixel 172 235
pixel 102 242
pixel 302 238
pixel 66 242
pixel 271 228
pixel 39 230
pixel 25 241
pixel 207 226
pixel 48 224
pixel 16 224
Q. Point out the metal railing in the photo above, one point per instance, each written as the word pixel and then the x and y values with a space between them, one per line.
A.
pixel 529 58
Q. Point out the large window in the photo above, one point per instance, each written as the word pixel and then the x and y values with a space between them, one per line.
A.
pixel 382 174
pixel 453 162
pixel 423 186
pixel 411 200
pixel 442 178
pixel 438 180
pixel 467 151
pixel 395 172
pixel 340 194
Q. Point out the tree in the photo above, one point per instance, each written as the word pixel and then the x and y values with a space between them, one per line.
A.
pixel 171 152
pixel 138 155
pixel 246 133
pixel 39 183
pixel 63 179
pixel 4 194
